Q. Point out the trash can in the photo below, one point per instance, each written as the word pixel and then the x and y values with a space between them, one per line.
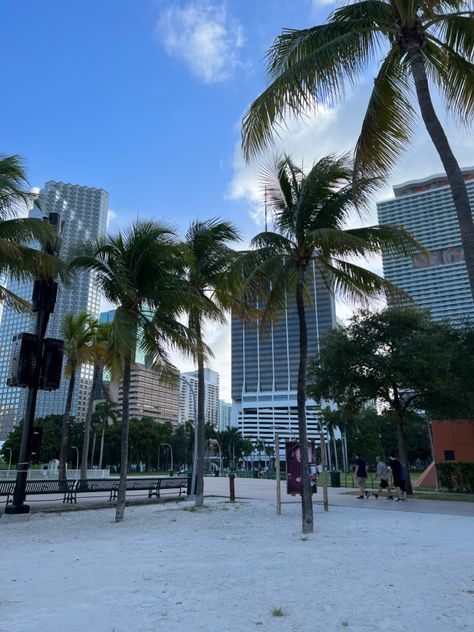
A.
pixel 335 479
pixel 171 472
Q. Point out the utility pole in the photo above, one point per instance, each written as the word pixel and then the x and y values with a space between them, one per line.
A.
pixel 44 300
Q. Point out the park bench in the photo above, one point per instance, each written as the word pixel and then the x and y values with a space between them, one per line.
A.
pixel 151 485
pixel 40 487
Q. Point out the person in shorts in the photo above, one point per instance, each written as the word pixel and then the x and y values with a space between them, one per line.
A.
pixel 360 469
pixel 399 478
pixel 382 474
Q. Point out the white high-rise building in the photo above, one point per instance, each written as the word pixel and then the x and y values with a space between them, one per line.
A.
pixel 84 212
pixel 188 394
pixel 438 281
pixel 225 415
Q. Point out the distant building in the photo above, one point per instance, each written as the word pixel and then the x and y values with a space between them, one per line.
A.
pixel 84 211
pixel 437 281
pixel 188 393
pixel 152 395
pixel 265 367
pixel 225 415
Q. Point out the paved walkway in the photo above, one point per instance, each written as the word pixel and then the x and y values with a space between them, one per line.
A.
pixel 258 489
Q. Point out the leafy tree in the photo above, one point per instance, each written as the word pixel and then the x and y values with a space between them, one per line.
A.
pixel 398 357
pixel 105 414
pixel 309 213
pixel 140 271
pixel 78 333
pixel 415 41
pixel 210 278
pixel 17 259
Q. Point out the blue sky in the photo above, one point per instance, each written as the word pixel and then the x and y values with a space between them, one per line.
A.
pixel 144 98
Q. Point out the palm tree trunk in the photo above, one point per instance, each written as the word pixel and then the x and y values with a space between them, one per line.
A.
pixel 306 501
pixel 93 450
pixel 451 166
pixel 87 423
pixel 200 420
pixel 402 449
pixel 102 445
pixel 65 429
pixel 122 488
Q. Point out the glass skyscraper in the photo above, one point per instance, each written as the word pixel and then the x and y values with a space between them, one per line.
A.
pixel 438 281
pixel 84 211
pixel 265 366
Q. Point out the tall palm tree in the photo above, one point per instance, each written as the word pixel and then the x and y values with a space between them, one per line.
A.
pixel 211 283
pixel 310 212
pixel 17 260
pixel 139 271
pixel 104 415
pixel 79 334
pixel 418 41
pixel 101 356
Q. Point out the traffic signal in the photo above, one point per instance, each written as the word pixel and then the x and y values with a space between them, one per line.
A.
pixel 23 360
pixel 51 367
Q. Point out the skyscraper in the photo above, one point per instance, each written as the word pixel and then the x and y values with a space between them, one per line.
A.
pixel 437 281
pixel 84 212
pixel 188 392
pixel 265 367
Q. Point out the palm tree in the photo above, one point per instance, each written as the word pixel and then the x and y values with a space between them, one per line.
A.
pixel 310 211
pixel 139 271
pixel 78 333
pixel 101 356
pixel 420 39
pixel 105 414
pixel 16 259
pixel 211 284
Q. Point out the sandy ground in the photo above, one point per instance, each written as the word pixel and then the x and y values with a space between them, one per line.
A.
pixel 227 567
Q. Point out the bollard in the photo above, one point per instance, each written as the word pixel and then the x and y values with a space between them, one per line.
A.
pixel 232 488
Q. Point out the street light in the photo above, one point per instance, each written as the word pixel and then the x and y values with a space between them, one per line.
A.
pixel 171 452
pixel 195 456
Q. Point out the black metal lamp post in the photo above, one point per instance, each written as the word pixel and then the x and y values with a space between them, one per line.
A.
pixel 43 361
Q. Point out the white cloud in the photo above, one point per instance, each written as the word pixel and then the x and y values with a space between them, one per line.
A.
pixel 205 36
pixel 111 216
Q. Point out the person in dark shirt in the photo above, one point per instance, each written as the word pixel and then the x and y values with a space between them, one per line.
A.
pixel 399 477
pixel 360 470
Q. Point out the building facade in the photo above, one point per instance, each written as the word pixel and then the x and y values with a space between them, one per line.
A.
pixel 152 395
pixel 436 281
pixel 84 213
pixel 188 393
pixel 265 367
pixel 225 415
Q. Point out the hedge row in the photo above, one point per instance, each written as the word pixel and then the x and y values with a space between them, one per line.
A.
pixel 457 476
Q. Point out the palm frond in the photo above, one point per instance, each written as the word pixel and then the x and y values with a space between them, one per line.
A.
pixel 13 181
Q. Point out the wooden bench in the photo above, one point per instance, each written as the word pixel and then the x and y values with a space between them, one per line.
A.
pixel 151 485
pixel 39 487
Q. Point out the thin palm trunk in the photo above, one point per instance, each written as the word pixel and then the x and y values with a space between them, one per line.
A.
pixel 450 164
pixel 122 488
pixel 402 449
pixel 102 445
pixel 91 465
pixel 334 443
pixel 87 423
pixel 65 429
pixel 306 501
pixel 200 420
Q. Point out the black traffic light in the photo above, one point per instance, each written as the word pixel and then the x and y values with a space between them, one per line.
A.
pixel 23 360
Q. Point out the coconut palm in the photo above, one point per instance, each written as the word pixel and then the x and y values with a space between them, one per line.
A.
pixel 211 284
pixel 105 414
pixel 310 212
pixel 139 271
pixel 17 260
pixel 78 334
pixel 418 42
pixel 101 357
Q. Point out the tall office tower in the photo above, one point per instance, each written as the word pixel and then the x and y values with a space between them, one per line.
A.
pixel 265 367
pixel 84 212
pixel 437 281
pixel 225 415
pixel 188 391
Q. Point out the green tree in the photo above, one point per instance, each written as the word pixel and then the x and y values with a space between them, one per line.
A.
pixel 211 284
pixel 309 214
pixel 105 414
pixel 398 357
pixel 17 260
pixel 140 271
pixel 78 333
pixel 414 41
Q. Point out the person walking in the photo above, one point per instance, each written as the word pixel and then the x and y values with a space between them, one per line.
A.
pixel 399 478
pixel 360 469
pixel 382 474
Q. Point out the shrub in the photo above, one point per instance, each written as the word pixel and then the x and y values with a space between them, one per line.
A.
pixel 457 476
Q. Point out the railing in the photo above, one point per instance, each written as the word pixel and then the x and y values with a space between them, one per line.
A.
pixel 9 475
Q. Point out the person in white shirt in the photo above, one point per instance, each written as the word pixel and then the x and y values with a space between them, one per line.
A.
pixel 382 474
